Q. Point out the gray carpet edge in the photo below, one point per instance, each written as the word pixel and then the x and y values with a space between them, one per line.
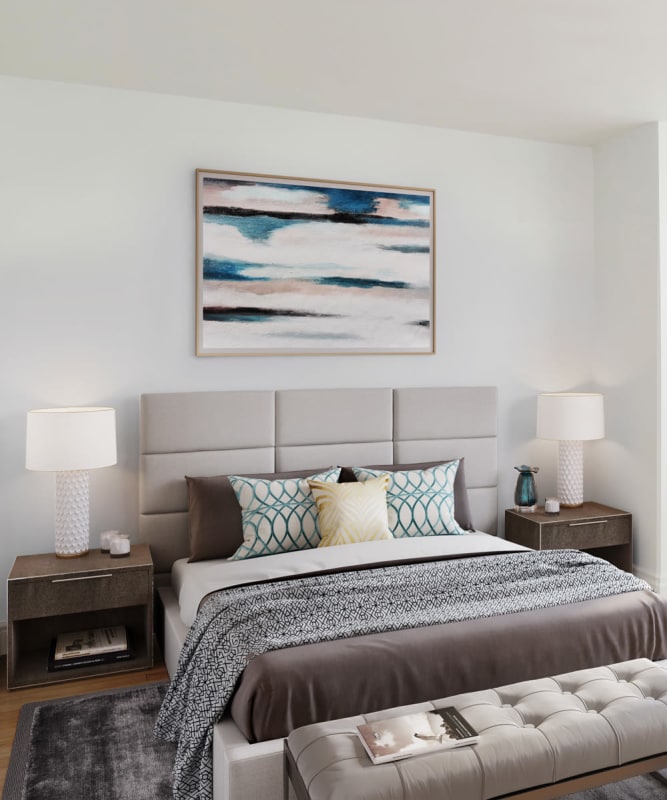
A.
pixel 18 759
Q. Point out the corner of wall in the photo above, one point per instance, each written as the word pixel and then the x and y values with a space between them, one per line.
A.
pixel 656 582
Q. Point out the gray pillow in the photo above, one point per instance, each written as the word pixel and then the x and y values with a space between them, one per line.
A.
pixel 461 505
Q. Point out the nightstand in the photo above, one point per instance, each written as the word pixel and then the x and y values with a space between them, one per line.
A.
pixel 599 530
pixel 47 595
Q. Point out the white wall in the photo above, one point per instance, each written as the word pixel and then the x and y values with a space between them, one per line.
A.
pixel 661 477
pixel 97 265
pixel 624 468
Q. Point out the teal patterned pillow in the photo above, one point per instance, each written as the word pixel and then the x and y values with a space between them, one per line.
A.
pixel 278 516
pixel 420 501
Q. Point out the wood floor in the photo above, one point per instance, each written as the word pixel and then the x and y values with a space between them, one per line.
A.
pixel 11 702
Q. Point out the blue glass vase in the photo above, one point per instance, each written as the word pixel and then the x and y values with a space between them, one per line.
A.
pixel 525 493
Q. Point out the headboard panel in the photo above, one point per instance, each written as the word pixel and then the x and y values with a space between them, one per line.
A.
pixel 214 433
pixel 453 422
pixel 320 427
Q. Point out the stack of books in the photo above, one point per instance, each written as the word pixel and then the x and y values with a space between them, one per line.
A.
pixel 92 646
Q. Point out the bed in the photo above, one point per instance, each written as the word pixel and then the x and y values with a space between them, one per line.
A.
pixel 245 433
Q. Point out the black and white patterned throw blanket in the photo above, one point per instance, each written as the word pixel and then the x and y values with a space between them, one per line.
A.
pixel 235 625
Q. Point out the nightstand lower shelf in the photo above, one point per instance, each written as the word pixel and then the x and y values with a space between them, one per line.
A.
pixel 33 637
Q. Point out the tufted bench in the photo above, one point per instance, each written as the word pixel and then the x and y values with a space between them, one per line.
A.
pixel 538 739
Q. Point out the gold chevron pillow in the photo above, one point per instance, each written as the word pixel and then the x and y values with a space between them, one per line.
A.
pixel 352 512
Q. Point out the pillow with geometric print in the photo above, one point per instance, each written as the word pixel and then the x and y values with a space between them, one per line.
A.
pixel 420 502
pixel 277 515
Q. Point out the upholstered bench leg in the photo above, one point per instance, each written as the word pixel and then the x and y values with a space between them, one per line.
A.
pixel 291 775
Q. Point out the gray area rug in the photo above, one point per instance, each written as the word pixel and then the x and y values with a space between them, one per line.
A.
pixel 101 747
pixel 645 787
pixel 91 747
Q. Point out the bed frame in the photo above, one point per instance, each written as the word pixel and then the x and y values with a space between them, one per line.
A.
pixel 242 432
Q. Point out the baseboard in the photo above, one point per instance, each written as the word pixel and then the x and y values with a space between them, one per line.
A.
pixel 3 638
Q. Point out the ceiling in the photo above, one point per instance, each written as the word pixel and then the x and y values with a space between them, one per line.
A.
pixel 572 71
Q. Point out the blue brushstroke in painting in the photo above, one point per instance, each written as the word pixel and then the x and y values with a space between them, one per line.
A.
pixel 405 248
pixel 361 283
pixel 352 201
pixel 221 269
pixel 399 223
pixel 229 316
pixel 258 228
pixel 224 269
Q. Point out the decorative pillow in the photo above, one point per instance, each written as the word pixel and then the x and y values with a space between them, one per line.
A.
pixel 215 524
pixel 420 502
pixel 352 512
pixel 461 505
pixel 214 518
pixel 278 515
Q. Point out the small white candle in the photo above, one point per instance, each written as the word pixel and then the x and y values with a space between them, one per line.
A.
pixel 119 546
pixel 105 540
pixel 551 505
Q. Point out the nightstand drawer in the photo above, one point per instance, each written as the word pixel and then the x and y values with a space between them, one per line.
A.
pixel 604 532
pixel 47 597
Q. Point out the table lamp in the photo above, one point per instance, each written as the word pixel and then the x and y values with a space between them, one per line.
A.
pixel 571 418
pixel 69 442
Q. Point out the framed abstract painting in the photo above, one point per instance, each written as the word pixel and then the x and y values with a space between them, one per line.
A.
pixel 298 267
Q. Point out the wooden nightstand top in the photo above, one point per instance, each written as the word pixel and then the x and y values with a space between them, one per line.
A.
pixel 48 564
pixel 589 510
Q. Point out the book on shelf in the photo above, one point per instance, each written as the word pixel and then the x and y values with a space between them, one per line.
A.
pixel 410 735
pixel 90 642
pixel 85 661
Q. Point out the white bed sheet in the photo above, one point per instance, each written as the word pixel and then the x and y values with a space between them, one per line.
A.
pixel 193 581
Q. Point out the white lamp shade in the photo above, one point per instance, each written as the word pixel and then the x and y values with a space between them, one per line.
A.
pixel 68 439
pixel 570 416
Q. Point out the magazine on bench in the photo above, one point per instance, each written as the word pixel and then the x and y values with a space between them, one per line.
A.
pixel 410 735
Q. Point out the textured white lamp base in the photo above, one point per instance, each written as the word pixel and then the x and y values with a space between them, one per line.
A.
pixel 72 513
pixel 571 473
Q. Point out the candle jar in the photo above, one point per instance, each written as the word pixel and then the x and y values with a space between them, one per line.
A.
pixel 105 540
pixel 119 546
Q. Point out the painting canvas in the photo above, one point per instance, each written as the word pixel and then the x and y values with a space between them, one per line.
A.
pixel 293 266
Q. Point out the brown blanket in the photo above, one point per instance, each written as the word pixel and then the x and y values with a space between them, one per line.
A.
pixel 284 689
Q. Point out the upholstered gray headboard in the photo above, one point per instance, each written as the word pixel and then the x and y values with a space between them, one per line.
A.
pixel 217 433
